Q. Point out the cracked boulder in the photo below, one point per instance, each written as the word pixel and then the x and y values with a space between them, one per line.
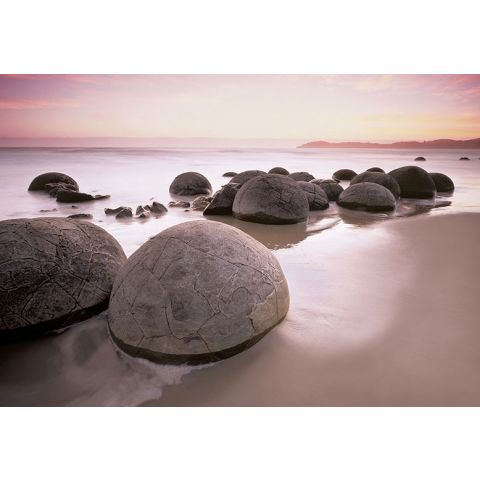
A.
pixel 316 196
pixel 368 196
pixel 53 272
pixel 245 176
pixel 41 181
pixel 271 199
pixel 330 187
pixel 415 182
pixel 196 292
pixel 190 183
pixel 378 177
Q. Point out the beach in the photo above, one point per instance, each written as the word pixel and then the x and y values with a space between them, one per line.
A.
pixel 383 307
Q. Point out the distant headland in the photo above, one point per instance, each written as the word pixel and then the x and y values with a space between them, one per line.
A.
pixel 442 143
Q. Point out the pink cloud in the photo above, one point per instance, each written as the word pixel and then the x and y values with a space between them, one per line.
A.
pixel 23 104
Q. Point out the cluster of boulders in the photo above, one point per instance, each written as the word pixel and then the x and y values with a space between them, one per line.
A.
pixel 142 211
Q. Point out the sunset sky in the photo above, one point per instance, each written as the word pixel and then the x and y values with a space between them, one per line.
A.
pixel 299 107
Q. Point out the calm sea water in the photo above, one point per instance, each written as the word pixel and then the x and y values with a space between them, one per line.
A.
pixel 80 366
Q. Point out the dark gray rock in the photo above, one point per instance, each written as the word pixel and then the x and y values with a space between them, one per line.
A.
pixel 371 197
pixel 67 196
pixel 81 216
pixel 53 272
pixel 414 182
pixel 190 183
pixel 279 171
pixel 301 176
pixel 375 169
pixel 197 292
pixel 157 208
pixel 124 213
pixel 420 159
pixel 464 158
pixel 179 204
pixel 222 201
pixel 243 177
pixel 377 177
pixel 229 174
pixel 113 211
pixel 101 197
pixel 344 174
pixel 316 196
pixel 201 203
pixel 443 183
pixel 330 187
pixel 271 199
pixel 38 183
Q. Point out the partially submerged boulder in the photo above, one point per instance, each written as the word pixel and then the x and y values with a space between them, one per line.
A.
pixel 301 176
pixel 39 182
pixel 377 177
pixel 68 196
pixel 279 171
pixel 113 211
pixel 53 272
pixel 197 292
pixel 243 177
pixel 222 201
pixel 124 213
pixel 81 216
pixel 443 183
pixel 414 182
pixel 229 174
pixel 344 174
pixel 190 183
pixel 271 199
pixel 420 159
pixel 201 203
pixel 179 204
pixel 316 196
pixel 332 188
pixel 375 169
pixel 464 158
pixel 368 196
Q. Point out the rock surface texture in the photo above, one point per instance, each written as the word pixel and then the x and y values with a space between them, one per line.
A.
pixel 222 201
pixel 414 182
pixel 316 196
pixel 196 292
pixel 39 183
pixel 330 187
pixel 377 177
pixel 279 171
pixel 371 197
pixel 243 177
pixel 443 183
pixel 301 176
pixel 53 272
pixel 190 183
pixel 344 174
pixel 271 199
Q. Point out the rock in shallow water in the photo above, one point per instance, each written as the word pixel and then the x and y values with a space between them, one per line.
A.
pixel 332 188
pixel 40 182
pixel 371 197
pixel 316 196
pixel 414 182
pixel 377 177
pixel 244 177
pixel 443 183
pixel 190 183
pixel 222 201
pixel 344 174
pixel 279 171
pixel 197 292
pixel 301 176
pixel 53 272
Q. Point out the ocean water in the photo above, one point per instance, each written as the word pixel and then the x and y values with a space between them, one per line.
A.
pixel 81 366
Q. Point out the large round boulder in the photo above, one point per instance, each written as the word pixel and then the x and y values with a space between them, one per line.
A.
pixel 377 177
pixel 196 292
pixel 414 182
pixel 344 174
pixel 368 196
pixel 244 177
pixel 190 183
pixel 39 182
pixel 443 183
pixel 271 199
pixel 301 176
pixel 332 188
pixel 316 196
pixel 279 171
pixel 53 272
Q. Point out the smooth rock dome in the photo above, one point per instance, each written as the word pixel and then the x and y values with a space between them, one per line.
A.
pixel 377 177
pixel 443 183
pixel 53 272
pixel 375 169
pixel 316 196
pixel 244 177
pixel 330 187
pixel 371 197
pixel 271 199
pixel 344 174
pixel 190 183
pixel 279 171
pixel 196 292
pixel 301 176
pixel 420 159
pixel 414 182
pixel 39 182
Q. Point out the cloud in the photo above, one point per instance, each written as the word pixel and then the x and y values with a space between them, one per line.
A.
pixel 26 104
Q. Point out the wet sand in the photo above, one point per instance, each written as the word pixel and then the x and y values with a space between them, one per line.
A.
pixel 392 319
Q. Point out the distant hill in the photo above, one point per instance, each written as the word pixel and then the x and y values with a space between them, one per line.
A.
pixel 442 143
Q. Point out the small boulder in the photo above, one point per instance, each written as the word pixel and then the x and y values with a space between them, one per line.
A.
pixel 124 213
pixel 420 159
pixel 375 169
pixel 443 183
pixel 316 196
pixel 197 292
pixel 201 203
pixel 157 208
pixel 464 158
pixel 368 196
pixel 190 183
pixel 279 171
pixel 301 176
pixel 81 216
pixel 243 177
pixel 179 204
pixel 332 188
pixel 414 182
pixel 229 174
pixel 38 183
pixel 222 201
pixel 271 199
pixel 344 174
pixel 113 211
pixel 68 196
pixel 377 177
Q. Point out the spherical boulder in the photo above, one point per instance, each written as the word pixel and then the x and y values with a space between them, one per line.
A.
pixel 243 177
pixel 271 199
pixel 53 272
pixel 420 159
pixel 190 183
pixel 332 188
pixel 301 176
pixel 229 174
pixel 377 177
pixel 414 182
pixel 368 196
pixel 196 292
pixel 344 174
pixel 443 183
pixel 316 196
pixel 464 158
pixel 279 171
pixel 39 182
pixel 375 169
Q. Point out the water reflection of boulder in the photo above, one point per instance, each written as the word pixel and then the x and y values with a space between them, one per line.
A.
pixel 360 218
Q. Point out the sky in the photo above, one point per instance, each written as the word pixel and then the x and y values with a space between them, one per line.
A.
pixel 377 108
